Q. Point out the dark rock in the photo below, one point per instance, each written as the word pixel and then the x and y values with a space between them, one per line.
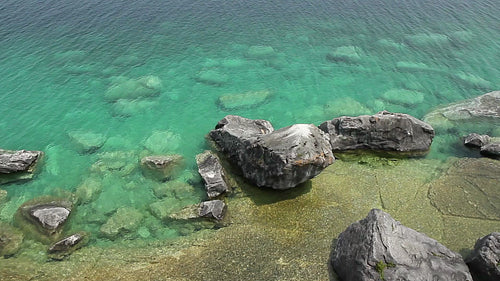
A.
pixel 380 248
pixel 212 173
pixel 17 161
pixel 67 246
pixel 10 239
pixel 484 261
pixel 491 150
pixel 162 167
pixel 279 159
pixel 476 140
pixel 46 214
pixel 384 131
pixel 212 209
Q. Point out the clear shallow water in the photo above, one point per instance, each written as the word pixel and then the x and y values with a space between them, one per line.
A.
pixel 58 59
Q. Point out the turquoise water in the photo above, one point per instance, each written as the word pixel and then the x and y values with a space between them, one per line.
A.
pixel 59 59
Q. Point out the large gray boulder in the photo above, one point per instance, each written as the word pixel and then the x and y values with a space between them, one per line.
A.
pixel 484 261
pixel 212 173
pixel 279 159
pixel 18 161
pixel 384 131
pixel 380 248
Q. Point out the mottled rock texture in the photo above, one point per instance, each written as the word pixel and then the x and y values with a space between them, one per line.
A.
pixel 484 262
pixel 212 209
pixel 476 140
pixel 213 175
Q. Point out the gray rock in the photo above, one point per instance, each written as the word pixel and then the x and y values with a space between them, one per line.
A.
pixel 212 173
pixel 68 245
pixel 345 54
pixel 162 167
pixel 213 209
pixel 476 140
pixel 484 261
pixel 491 150
pixel 383 131
pixel 380 248
pixel 143 87
pixel 18 161
pixel 279 159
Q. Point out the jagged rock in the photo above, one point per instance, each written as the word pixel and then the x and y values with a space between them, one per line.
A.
pixel 126 219
pixel 65 247
pixel 403 97
pixel 142 87
pixel 345 54
pixel 476 140
pixel 243 100
pixel 213 175
pixel 212 77
pixel 383 131
pixel 87 142
pixel 10 239
pixel 491 150
pixel 18 164
pixel 162 167
pixel 484 261
pixel 279 159
pixel 381 248
pixel 468 189
pixel 45 216
pixel 212 209
pixel 485 107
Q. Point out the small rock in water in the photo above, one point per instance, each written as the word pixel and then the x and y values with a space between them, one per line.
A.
pixel 345 54
pixel 476 140
pixel 162 167
pixel 65 247
pixel 18 161
pixel 484 261
pixel 212 173
pixel 212 77
pixel 243 100
pixel 10 239
pixel 87 142
pixel 213 209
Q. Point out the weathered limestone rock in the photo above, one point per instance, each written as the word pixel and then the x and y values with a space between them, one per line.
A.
pixel 345 54
pixel 126 219
pixel 213 175
pixel 279 159
pixel 380 248
pixel 65 247
pixel 491 150
pixel 17 165
pixel 384 131
pixel 484 261
pixel 162 167
pixel 87 142
pixel 469 188
pixel 243 100
pixel 10 239
pixel 44 217
pixel 142 87
pixel 212 209
pixel 476 140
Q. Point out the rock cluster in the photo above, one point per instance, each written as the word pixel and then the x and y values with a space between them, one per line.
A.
pixel 380 248
pixel 383 131
pixel 489 147
pixel 279 159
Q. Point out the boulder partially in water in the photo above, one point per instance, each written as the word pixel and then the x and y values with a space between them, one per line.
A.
pixel 384 131
pixel 213 174
pixel 279 159
pixel 484 261
pixel 491 150
pixel 381 248
pixel 17 164
pixel 66 246
pixel 10 239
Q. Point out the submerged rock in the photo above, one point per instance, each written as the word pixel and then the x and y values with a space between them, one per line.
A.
pixel 403 97
pixel 381 248
pixel 212 209
pixel 142 87
pixel 476 140
pixel 176 188
pixel 345 54
pixel 88 191
pixel 87 142
pixel 10 239
pixel 260 52
pixel 212 77
pixel 384 131
pixel 213 174
pixel 44 217
pixel 127 108
pixel 344 106
pixel 161 142
pixel 162 167
pixel 243 100
pixel 3 196
pixel 427 40
pixel 17 164
pixel 484 261
pixel 279 159
pixel 65 247
pixel 126 219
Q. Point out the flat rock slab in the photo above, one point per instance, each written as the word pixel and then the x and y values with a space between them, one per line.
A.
pixel 15 161
pixel 484 261
pixel 384 131
pixel 381 248
pixel 213 174
pixel 469 188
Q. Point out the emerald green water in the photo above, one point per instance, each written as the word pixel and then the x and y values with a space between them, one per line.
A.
pixel 59 58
